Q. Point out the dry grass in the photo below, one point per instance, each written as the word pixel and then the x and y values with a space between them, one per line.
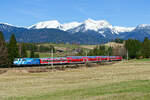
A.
pixel 113 44
pixel 120 81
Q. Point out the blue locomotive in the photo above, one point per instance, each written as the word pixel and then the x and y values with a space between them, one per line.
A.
pixel 26 61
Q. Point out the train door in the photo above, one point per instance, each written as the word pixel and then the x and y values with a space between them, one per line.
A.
pixel 99 59
pixel 84 60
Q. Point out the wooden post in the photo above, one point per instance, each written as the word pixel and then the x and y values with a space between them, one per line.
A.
pixel 86 56
pixel 127 55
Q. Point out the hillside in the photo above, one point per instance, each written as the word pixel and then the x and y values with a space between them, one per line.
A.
pixel 64 49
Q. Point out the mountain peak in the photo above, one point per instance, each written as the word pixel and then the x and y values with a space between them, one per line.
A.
pixel 143 26
pixel 46 24
pixel 70 25
pixel 95 25
pixel 97 22
pixel 9 25
pixel 6 24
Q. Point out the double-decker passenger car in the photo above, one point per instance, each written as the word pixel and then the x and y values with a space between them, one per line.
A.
pixel 56 60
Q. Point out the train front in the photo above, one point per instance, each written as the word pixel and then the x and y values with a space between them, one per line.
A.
pixel 26 61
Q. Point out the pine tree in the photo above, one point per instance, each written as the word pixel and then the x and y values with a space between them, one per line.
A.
pixel 110 51
pixel 146 48
pixel 32 54
pixel 23 52
pixel 133 47
pixel 52 47
pixel 13 50
pixel 3 52
pixel 36 55
pixel 98 50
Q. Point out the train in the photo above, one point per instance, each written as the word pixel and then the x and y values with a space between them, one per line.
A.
pixel 64 60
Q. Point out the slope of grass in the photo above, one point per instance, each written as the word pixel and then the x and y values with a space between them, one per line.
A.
pixel 140 87
pixel 120 81
pixel 66 48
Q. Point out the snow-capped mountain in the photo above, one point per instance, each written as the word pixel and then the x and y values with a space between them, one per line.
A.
pixel 95 25
pixel 88 32
pixel 68 26
pixel 143 26
pixel 89 24
pixel 54 24
pixel 46 24
pixel 123 29
pixel 8 27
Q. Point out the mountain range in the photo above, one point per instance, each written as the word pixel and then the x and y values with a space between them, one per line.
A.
pixel 88 32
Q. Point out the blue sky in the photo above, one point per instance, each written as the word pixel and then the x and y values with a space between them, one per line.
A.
pixel 116 12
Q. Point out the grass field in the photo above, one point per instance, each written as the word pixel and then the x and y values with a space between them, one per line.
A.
pixel 120 81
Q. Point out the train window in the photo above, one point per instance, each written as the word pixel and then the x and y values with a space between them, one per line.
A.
pixel 61 60
pixel 16 59
pixel 23 59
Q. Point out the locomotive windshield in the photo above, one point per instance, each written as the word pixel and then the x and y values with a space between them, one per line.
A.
pixel 23 59
pixel 16 59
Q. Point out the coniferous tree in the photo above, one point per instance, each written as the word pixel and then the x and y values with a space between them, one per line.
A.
pixel 99 50
pixel 32 54
pixel 52 47
pixel 13 50
pixel 110 51
pixel 133 47
pixel 23 50
pixel 146 48
pixel 117 40
pixel 3 52
pixel 103 50
pixel 36 55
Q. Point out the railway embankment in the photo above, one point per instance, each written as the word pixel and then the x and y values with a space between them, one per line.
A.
pixel 47 68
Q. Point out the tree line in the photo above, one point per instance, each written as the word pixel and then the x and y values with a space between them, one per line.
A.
pixel 39 48
pixel 8 51
pixel 103 50
pixel 137 49
pixel 132 49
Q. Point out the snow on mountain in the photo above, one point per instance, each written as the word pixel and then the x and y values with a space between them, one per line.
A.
pixel 143 26
pixel 55 24
pixel 68 26
pixel 7 25
pixel 46 24
pixel 123 29
pixel 91 24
